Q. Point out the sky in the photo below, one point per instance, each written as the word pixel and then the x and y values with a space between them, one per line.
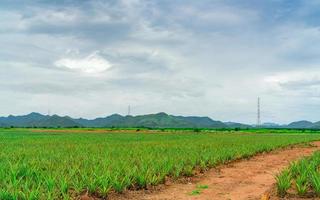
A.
pixel 93 58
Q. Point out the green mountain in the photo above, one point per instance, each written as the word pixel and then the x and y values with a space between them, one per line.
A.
pixel 37 120
pixel 100 122
pixel 203 122
pixel 29 120
pixel 3 124
pixel 163 120
pixel 56 121
pixel 271 125
pixel 316 125
pixel 159 120
pixel 301 124
pixel 237 125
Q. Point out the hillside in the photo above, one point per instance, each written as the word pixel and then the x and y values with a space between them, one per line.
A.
pixel 159 120
pixel 301 124
pixel 56 121
pixel 271 125
pixel 203 122
pixel 237 125
pixel 316 125
pixel 29 120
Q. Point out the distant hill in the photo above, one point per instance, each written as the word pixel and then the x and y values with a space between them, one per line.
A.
pixel 203 122
pixel 37 120
pixel 3 124
pixel 271 125
pixel 316 125
pixel 300 124
pixel 100 122
pixel 159 120
pixel 29 120
pixel 56 121
pixel 237 125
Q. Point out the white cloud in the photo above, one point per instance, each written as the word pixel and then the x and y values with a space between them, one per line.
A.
pixel 294 76
pixel 298 83
pixel 92 64
pixel 222 15
pixel 11 22
pixel 182 57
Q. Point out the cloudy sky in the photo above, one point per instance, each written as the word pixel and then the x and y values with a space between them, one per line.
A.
pixel 90 58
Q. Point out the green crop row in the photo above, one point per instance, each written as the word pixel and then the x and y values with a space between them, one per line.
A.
pixel 302 176
pixel 55 165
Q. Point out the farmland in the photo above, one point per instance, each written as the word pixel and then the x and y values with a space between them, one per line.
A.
pixel 301 178
pixel 64 164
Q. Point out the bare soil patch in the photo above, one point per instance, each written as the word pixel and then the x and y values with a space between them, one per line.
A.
pixel 244 179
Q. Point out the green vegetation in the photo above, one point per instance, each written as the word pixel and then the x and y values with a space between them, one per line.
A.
pixel 199 189
pixel 303 176
pixel 202 187
pixel 195 192
pixel 283 182
pixel 50 164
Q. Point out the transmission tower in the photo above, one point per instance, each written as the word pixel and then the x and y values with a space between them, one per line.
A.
pixel 129 110
pixel 258 113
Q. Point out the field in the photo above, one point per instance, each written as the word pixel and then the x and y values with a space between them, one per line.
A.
pixel 64 164
pixel 301 178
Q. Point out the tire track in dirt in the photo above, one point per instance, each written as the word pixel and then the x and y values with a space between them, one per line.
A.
pixel 245 179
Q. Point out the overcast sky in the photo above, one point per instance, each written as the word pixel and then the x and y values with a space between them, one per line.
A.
pixel 209 58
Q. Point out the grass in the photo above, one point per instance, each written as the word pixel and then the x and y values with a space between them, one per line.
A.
pixel 202 187
pixel 60 165
pixel 199 189
pixel 195 192
pixel 303 176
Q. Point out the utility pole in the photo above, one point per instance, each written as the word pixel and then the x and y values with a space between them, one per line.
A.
pixel 258 113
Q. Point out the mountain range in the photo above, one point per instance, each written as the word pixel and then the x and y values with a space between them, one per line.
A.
pixel 159 120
